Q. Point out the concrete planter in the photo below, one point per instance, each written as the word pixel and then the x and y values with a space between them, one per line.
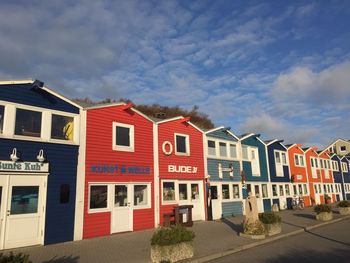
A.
pixel 324 216
pixel 344 210
pixel 172 253
pixel 273 229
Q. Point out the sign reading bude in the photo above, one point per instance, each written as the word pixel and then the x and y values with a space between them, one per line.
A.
pixel 8 166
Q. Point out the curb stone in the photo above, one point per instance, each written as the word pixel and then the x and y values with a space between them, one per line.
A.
pixel 262 242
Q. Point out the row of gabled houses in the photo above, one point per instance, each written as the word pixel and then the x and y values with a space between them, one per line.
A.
pixel 70 173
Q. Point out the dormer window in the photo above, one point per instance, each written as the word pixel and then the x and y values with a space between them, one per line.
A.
pixel 28 123
pixel 123 137
pixel 211 148
pixel 223 149
pixel 182 146
pixel 62 127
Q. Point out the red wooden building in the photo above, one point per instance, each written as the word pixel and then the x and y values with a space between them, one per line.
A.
pixel 181 167
pixel 298 172
pixel 119 176
pixel 314 175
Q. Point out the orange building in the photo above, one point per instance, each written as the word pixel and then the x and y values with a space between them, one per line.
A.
pixel 298 171
pixel 314 176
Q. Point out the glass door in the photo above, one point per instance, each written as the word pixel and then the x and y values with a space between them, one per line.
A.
pixel 122 212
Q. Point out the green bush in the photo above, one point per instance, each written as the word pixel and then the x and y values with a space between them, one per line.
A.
pixel 344 203
pixel 322 208
pixel 327 197
pixel 14 258
pixel 171 235
pixel 269 218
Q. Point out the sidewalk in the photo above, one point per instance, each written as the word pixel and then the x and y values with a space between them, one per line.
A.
pixel 213 239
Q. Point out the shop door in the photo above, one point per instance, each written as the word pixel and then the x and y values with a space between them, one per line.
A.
pixel 122 213
pixel 259 199
pixel 197 201
pixel 215 202
pixel 25 209
pixel 318 194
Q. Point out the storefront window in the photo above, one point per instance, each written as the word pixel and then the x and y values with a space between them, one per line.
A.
pixel 257 190
pixel 324 188
pixel 287 189
pixel 211 148
pixel 300 189
pixel 295 192
pixel 168 191
pixel 223 150
pixel 305 189
pixel 264 190
pixel 140 195
pixel 315 187
pixel 2 111
pixel 194 191
pixel 249 188
pixel 98 196
pixel 225 191
pixel 28 123
pixel 319 188
pixel 274 190
pixel 235 191
pixel 183 192
pixel 281 190
pixel 62 127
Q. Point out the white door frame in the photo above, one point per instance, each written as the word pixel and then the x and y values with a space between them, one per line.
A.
pixel 216 204
pixel 5 182
pixel 128 208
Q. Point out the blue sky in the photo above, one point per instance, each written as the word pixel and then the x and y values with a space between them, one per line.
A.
pixel 279 68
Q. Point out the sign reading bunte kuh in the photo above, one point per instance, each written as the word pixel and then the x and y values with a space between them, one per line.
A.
pixel 9 166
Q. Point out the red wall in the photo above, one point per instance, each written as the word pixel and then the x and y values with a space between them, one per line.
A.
pixel 166 132
pixel 324 171
pixel 99 152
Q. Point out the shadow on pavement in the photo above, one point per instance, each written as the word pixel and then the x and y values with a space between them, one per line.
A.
pixel 64 259
pixel 312 256
pixel 330 239
pixel 235 227
pixel 305 215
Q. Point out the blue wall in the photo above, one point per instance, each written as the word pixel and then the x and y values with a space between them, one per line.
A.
pixel 346 175
pixel 221 134
pixel 272 163
pixel 253 141
pixel 62 159
pixel 25 94
pixel 214 173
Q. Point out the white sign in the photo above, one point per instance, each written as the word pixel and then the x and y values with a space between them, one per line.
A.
pixel 182 169
pixel 8 166
pixel 299 177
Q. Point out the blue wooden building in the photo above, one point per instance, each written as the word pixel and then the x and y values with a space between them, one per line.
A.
pixel 279 174
pixel 338 177
pixel 224 172
pixel 255 169
pixel 39 142
pixel 345 167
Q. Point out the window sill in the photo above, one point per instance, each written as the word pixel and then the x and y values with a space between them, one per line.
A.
pixel 98 210
pixel 123 149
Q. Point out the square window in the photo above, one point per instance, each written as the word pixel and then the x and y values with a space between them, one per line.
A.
pixel 233 151
pixel 2 111
pixel 168 191
pixel 140 195
pixel 98 196
pixel 182 144
pixel 225 191
pixel 223 149
pixel 123 137
pixel 62 127
pixel 343 148
pixel 211 148
pixel 28 123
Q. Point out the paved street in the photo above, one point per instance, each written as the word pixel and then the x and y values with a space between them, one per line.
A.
pixel 329 243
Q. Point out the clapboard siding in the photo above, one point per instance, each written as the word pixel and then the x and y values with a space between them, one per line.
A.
pixel 62 158
pixel 26 94
pixel 214 173
pixel 272 163
pixel 221 134
pixel 232 209
pixel 253 141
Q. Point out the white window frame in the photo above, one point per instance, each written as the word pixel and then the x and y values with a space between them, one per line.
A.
pixel 123 148
pixel 99 210
pixel 335 166
pixel 176 189
pixel 212 155
pixel 226 150
pixel 256 160
pixel 187 140
pixel 217 149
pixel 300 158
pixel 344 167
pixel 149 201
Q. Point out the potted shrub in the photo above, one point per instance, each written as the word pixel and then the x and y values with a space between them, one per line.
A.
pixel 344 207
pixel 171 244
pixel 15 258
pixel 272 223
pixel 327 199
pixel 323 212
